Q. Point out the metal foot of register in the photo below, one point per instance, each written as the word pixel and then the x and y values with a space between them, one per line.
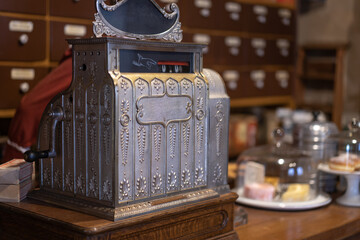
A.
pixel 142 128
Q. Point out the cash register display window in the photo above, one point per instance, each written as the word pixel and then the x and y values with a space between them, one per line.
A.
pixel 156 62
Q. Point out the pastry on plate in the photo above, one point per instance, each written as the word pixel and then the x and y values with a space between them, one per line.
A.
pixel 345 162
pixel 296 192
pixel 259 191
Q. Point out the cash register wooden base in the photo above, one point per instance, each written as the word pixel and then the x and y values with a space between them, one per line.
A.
pixel 31 219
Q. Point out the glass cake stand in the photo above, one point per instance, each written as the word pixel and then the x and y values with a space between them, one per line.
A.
pixel 351 197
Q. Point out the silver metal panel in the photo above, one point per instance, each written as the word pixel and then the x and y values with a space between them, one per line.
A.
pixel 68 145
pixel 143 150
pixel 187 142
pixel 58 173
pixel 164 109
pixel 125 139
pixel 92 134
pixel 219 104
pixel 201 130
pixel 79 134
pixel 158 164
pixel 106 163
pixel 45 165
pixel 178 112
pixel 158 143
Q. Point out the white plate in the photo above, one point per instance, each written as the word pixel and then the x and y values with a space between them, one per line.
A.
pixel 321 200
pixel 325 168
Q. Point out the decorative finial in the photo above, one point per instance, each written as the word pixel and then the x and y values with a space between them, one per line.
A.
pixel 138 19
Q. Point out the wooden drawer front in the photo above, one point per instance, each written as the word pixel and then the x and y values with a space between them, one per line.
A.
pixel 232 81
pixel 209 53
pixel 280 82
pixel 23 39
pixel 24 6
pixel 258 18
pixel 60 31
pixel 73 8
pixel 259 51
pixel 16 81
pixel 254 83
pixel 281 51
pixel 231 15
pixel 246 83
pixel 198 13
pixel 232 50
pixel 283 21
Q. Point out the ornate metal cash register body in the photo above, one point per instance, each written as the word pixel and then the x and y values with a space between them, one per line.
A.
pixel 142 128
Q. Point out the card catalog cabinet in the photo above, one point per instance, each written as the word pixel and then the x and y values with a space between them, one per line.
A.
pixel 251 43
pixel 242 36
pixel 35 40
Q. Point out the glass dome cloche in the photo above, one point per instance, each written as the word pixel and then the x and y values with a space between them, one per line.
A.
pixel 347 158
pixel 277 172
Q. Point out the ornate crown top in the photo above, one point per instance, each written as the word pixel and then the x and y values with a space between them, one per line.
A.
pixel 140 19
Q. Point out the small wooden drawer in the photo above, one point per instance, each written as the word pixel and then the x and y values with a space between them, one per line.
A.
pixel 16 82
pixel 24 39
pixel 258 18
pixel 281 51
pixel 232 50
pixel 209 52
pixel 24 6
pixel 258 51
pixel 231 79
pixel 60 31
pixel 280 82
pixel 254 83
pixel 73 8
pixel 231 15
pixel 198 13
pixel 283 21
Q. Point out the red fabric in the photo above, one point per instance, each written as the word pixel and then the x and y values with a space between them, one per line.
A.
pixel 24 126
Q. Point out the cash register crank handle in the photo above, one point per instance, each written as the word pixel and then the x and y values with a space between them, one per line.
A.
pixel 57 114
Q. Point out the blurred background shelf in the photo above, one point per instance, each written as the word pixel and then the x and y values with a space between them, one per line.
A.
pixel 320 79
pixel 7 113
pixel 286 101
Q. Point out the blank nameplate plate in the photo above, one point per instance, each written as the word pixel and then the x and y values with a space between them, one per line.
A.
pixel 22 74
pixel 21 26
pixel 164 109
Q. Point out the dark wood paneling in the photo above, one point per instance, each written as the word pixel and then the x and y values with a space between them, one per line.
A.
pixel 24 6
pixel 73 8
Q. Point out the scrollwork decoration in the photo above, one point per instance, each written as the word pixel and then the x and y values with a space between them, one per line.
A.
pixel 112 7
pixel 102 26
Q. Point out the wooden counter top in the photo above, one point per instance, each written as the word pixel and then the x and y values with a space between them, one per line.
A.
pixel 329 222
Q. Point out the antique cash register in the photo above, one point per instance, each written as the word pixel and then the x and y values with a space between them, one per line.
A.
pixel 143 127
